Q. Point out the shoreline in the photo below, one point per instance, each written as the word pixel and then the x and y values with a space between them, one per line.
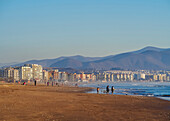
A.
pixel 134 88
pixel 159 97
pixel 24 102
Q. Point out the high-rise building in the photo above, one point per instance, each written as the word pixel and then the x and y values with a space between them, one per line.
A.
pixel 1 73
pixel 25 73
pixel 37 71
pixel 64 76
pixel 9 73
pixel 70 77
pixel 15 75
pixel 45 75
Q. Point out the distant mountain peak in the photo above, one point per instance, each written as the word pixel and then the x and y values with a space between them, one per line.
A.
pixel 150 48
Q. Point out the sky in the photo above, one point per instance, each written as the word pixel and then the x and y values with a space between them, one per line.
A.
pixel 43 29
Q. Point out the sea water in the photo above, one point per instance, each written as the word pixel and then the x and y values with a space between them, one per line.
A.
pixel 153 89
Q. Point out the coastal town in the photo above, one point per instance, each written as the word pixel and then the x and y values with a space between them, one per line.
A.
pixel 31 72
pixel 54 99
pixel 84 60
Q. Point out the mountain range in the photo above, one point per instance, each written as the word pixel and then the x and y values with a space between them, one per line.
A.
pixel 149 58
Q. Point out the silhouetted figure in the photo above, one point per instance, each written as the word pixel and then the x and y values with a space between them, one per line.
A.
pixel 97 90
pixel 35 83
pixel 47 83
pixel 112 89
pixel 24 83
pixel 52 83
pixel 107 89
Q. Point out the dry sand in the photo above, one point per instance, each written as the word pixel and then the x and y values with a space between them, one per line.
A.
pixel 41 103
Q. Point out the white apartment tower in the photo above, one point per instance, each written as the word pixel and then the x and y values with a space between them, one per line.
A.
pixel 37 71
pixel 25 73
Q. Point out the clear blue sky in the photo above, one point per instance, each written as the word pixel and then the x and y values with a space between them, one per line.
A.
pixel 38 29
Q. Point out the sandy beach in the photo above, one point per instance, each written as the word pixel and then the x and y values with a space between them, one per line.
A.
pixel 42 103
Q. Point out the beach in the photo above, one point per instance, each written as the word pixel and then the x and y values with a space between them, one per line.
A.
pixel 65 103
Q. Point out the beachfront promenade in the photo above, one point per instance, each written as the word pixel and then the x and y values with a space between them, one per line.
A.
pixel 42 103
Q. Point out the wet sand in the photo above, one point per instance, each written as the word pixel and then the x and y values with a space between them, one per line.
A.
pixel 41 103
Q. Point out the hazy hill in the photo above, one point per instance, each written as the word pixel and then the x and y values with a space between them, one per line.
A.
pixel 68 63
pixel 146 58
pixel 7 64
pixel 49 62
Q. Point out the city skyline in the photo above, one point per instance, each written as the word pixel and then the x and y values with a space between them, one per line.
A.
pixel 50 29
pixel 31 72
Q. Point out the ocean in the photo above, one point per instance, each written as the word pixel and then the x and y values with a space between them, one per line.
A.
pixel 151 89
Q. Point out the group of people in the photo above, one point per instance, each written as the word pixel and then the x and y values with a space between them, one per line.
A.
pixel 107 89
pixel 35 83
pixel 53 84
pixel 24 83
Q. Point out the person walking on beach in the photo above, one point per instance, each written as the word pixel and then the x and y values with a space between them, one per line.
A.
pixel 112 89
pixel 24 83
pixel 47 83
pixel 35 83
pixel 97 90
pixel 107 89
pixel 57 84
